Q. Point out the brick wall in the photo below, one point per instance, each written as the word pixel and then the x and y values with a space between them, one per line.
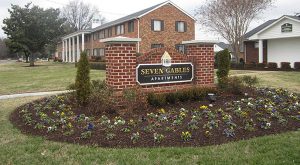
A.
pixel 169 37
pixel 252 53
pixel 202 56
pixel 121 66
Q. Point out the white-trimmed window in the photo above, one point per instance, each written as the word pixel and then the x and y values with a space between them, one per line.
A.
pixel 99 52
pixel 101 34
pixel 180 48
pixel 180 26
pixel 157 25
pixel 119 29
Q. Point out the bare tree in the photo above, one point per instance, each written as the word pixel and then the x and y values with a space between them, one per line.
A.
pixel 231 18
pixel 80 15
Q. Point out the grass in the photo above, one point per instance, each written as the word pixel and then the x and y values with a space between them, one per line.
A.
pixel 47 76
pixel 277 79
pixel 17 148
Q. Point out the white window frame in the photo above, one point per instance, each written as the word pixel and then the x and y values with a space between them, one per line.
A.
pixel 181 26
pixel 157 25
pixel 120 29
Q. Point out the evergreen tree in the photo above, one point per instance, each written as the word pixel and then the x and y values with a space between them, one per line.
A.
pixel 223 61
pixel 82 83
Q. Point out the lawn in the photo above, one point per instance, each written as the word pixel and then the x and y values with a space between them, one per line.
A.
pixel 47 76
pixel 278 79
pixel 16 148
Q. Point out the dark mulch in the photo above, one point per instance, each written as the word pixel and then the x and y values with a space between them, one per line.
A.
pixel 172 139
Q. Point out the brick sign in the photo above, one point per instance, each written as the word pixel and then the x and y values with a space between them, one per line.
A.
pixel 151 74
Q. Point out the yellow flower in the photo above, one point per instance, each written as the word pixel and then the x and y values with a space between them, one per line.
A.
pixel 203 107
pixel 62 114
pixel 162 111
pixel 70 125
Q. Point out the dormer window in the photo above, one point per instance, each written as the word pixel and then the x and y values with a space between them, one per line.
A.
pixel 166 59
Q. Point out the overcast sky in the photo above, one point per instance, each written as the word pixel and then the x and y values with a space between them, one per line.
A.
pixel 113 9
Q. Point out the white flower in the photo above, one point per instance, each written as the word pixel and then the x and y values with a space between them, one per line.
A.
pixel 86 118
pixel 246 94
pixel 210 105
pixel 50 128
pixel 268 124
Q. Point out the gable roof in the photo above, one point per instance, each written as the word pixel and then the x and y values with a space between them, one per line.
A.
pixel 138 14
pixel 268 24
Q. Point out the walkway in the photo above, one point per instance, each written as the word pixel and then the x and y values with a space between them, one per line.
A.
pixel 4 97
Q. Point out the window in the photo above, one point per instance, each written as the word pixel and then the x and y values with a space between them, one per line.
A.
pixel 99 52
pixel 101 34
pixel 180 48
pixel 108 32
pixel 157 46
pixel 157 25
pixel 256 45
pixel 87 52
pixel 130 26
pixel 180 26
pixel 95 36
pixel 119 29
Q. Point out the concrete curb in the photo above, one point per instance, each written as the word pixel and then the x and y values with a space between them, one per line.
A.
pixel 5 97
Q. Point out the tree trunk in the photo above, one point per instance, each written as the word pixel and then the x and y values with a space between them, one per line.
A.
pixel 31 59
pixel 26 57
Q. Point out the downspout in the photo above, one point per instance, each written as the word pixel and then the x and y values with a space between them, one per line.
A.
pixel 138 28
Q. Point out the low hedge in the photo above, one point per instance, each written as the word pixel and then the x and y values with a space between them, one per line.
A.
pixel 286 65
pixel 297 65
pixel 191 94
pixel 96 65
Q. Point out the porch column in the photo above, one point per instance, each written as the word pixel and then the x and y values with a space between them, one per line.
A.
pixel 73 49
pixel 69 55
pixel 82 44
pixel 66 50
pixel 261 51
pixel 63 51
pixel 78 51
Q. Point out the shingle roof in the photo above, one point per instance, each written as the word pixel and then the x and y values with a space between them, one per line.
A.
pixel 259 28
pixel 224 46
pixel 127 18
pixel 266 24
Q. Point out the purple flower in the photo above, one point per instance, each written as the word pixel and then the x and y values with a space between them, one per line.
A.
pixel 273 111
pixel 90 126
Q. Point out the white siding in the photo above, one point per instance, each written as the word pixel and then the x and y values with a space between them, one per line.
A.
pixel 284 50
pixel 275 31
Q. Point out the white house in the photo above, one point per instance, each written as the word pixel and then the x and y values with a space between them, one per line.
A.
pixel 276 40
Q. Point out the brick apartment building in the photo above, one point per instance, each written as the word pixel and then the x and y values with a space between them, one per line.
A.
pixel 162 25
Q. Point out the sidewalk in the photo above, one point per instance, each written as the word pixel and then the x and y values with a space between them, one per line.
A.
pixel 4 97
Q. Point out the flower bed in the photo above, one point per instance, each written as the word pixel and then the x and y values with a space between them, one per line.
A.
pixel 257 113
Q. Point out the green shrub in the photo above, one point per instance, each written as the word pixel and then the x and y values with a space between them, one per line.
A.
pixel 261 65
pixel 82 82
pixel 102 100
pixel 98 65
pixel 71 86
pixel 250 81
pixel 235 85
pixel 171 98
pixel 285 65
pixel 223 58
pixel 134 99
pixel 192 94
pixel 156 100
pixel 272 65
pixel 98 85
pixel 297 65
